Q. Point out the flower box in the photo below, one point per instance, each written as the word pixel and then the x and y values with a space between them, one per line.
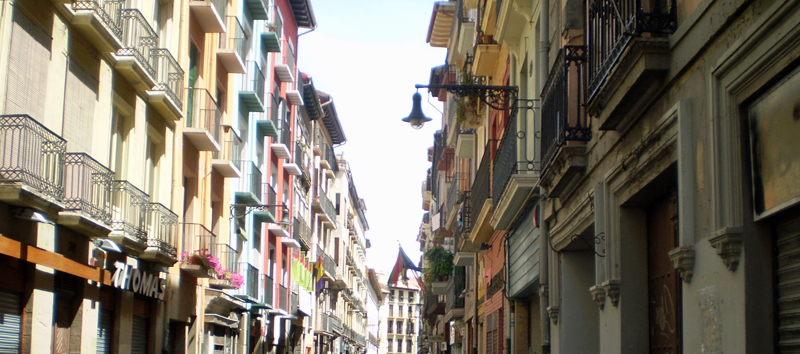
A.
pixel 220 283
pixel 196 270
pixel 439 288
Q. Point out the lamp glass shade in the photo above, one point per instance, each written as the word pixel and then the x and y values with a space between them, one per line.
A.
pixel 417 119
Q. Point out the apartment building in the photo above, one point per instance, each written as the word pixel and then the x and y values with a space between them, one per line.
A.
pixel 617 181
pixel 374 303
pixel 400 317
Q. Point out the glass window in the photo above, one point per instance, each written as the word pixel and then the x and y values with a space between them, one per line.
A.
pixel 391 326
pixel 399 346
pixel 389 345
pixel 408 346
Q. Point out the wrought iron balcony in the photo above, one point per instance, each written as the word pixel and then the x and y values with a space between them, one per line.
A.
pixel 135 60
pixel 454 289
pixel 162 231
pixel 232 46
pixel 249 191
pixel 301 232
pixel 251 94
pixel 322 203
pixel 210 14
pixel 167 94
pixel 328 264
pixel 330 156
pixel 458 183
pixel 464 224
pixel 228 161
pixel 197 237
pixel 100 21
pixel 87 189
pixel 202 120
pixel 481 186
pixel 33 156
pixel 283 295
pixel 228 260
pixel 564 119
pixel 284 72
pixel 129 219
pixel 612 26
pixel 269 292
pixel 250 288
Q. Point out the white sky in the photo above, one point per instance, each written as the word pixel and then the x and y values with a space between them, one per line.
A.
pixel 368 55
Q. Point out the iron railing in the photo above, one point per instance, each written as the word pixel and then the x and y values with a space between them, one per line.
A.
pixel 294 302
pixel 300 159
pixel 254 81
pixel 454 191
pixel 336 323
pixel 563 115
pixel 274 109
pixel 464 225
pixel 32 154
pixel 277 23
pixel 269 290
pixel 330 155
pixel 203 112
pixel 454 290
pixel 251 179
pixel 197 237
pixel 481 187
pixel 250 275
pixel 162 229
pixel 228 258
pixel 509 159
pixel 109 11
pixel 326 205
pixel 301 231
pixel 234 38
pixel 286 132
pixel 612 24
pixel 87 187
pixel 231 149
pixel 169 75
pixel 130 206
pixel 328 264
pixel 271 196
pixel 282 297
pixel 138 40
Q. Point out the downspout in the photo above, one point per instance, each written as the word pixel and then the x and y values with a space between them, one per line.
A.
pixel 544 270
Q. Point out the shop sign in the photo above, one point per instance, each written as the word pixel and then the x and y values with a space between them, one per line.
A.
pixel 435 339
pixel 126 277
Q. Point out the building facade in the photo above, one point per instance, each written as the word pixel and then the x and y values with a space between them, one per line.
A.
pixel 400 317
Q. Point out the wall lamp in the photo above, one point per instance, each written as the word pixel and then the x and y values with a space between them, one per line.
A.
pixel 250 208
pixel 501 98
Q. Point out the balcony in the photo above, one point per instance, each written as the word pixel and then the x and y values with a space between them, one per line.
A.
pixel 486 59
pixel 227 161
pixel 167 95
pixel 565 125
pixel 231 49
pixel 135 60
pixel 265 215
pixel 251 94
pixel 197 237
pixel 330 157
pixel 249 290
pixel 162 231
pixel 265 125
pixel 454 305
pixel 302 232
pixel 515 173
pixel 628 56
pixel 323 205
pixel 268 300
pixel 328 264
pixel 129 217
pixel 100 21
pixel 302 161
pixel 283 295
pixel 31 165
pixel 480 198
pixel 87 195
pixel 202 120
pixel 271 34
pixel 249 191
pixel 210 14
pixel 285 71
pixel 228 258
pixel 258 9
pixel 281 146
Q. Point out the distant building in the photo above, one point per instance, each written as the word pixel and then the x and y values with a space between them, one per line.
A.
pixel 400 316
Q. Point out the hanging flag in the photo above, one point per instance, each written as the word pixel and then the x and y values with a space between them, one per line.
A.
pixel 320 281
pixel 402 264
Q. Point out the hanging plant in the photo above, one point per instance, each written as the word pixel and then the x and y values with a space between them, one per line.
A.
pixel 469 107
pixel 440 265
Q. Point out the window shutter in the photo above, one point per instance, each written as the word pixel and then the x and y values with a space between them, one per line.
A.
pixel 80 98
pixel 27 68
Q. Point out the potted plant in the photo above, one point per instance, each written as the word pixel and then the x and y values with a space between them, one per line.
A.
pixel 227 279
pixel 469 109
pixel 440 266
pixel 200 263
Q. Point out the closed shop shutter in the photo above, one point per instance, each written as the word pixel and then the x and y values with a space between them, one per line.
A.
pixel 79 102
pixel 139 335
pixel 10 322
pixel 104 330
pixel 788 252
pixel 523 257
pixel 28 61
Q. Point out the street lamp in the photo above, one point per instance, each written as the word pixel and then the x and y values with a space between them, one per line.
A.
pixel 498 97
pixel 416 118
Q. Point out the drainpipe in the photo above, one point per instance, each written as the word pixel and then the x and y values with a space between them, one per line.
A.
pixel 544 270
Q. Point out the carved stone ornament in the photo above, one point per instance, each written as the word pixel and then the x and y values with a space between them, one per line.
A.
pixel 611 287
pixel 683 261
pixel 544 290
pixel 728 243
pixel 553 312
pixel 598 295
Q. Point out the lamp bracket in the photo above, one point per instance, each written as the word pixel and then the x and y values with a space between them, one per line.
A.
pixel 502 98
pixel 249 208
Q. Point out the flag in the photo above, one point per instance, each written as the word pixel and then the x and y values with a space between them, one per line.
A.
pixel 320 281
pixel 402 264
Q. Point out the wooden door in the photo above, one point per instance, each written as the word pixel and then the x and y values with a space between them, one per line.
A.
pixel 663 282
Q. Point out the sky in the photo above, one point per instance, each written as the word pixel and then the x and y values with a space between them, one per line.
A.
pixel 368 55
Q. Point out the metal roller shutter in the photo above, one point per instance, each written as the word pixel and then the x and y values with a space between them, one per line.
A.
pixel 104 331
pixel 139 335
pixel 788 252
pixel 10 322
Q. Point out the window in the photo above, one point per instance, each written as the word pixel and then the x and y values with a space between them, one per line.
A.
pixel 410 328
pixel 391 295
pixel 409 344
pixel 399 327
pixel 399 346
pixel 399 310
pixel 410 311
pixel 492 344
pixel 389 345
pixel 411 296
pixel 391 310
pixel 391 327
pixel 401 295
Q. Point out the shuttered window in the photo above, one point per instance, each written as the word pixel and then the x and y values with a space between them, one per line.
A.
pixel 139 336
pixel 492 334
pixel 28 62
pixel 79 102
pixel 104 330
pixel 10 321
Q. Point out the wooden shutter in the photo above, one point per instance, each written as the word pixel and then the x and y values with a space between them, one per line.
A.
pixel 28 62
pixel 79 102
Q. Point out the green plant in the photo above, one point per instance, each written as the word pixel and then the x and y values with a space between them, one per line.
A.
pixel 468 107
pixel 440 264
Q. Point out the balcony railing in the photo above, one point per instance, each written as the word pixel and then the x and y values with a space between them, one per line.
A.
pixel 328 264
pixel 283 294
pixel 464 225
pixel 138 40
pixel 330 156
pixel 294 302
pixel 454 191
pixel 454 290
pixel 130 207
pixel 234 38
pixel 109 11
pixel 563 115
pixel 327 206
pixel 269 291
pixel 169 75
pixel 252 90
pixel 301 231
pixel 162 229
pixel 250 183
pixel 198 237
pixel 270 194
pixel 203 112
pixel 32 155
pixel 87 187
pixel 481 187
pixel 613 24
pixel 228 257
pixel 250 275
pixel 231 149
pixel 511 159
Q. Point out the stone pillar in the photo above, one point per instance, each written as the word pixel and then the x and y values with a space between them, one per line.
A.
pixel 42 303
